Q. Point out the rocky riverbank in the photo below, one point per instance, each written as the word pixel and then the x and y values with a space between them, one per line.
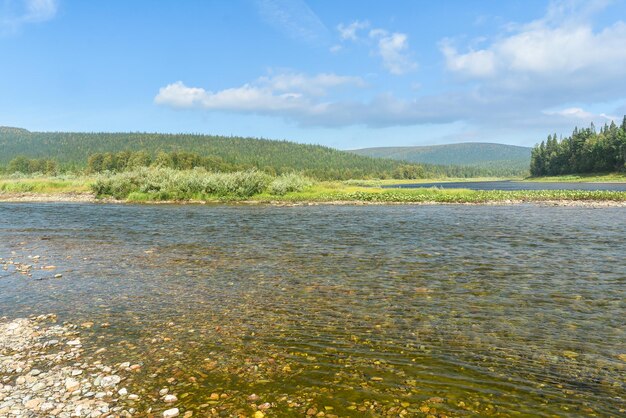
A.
pixel 47 197
pixel 43 373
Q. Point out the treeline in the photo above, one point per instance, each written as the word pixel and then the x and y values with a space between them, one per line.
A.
pixel 25 165
pixel 585 151
pixel 73 150
pixel 129 160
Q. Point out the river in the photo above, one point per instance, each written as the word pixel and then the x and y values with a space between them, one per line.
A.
pixel 347 310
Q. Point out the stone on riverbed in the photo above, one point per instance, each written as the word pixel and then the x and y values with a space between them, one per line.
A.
pixel 110 381
pixel 54 387
pixel 171 413
pixel 170 398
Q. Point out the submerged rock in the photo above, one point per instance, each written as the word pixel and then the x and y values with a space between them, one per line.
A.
pixel 54 387
pixel 171 413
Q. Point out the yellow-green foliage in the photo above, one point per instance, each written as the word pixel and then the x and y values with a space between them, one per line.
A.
pixel 44 185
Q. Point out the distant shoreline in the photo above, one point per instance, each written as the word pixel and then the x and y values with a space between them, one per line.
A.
pixel 91 198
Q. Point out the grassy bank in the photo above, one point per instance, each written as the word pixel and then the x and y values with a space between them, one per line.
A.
pixel 158 185
pixel 45 185
pixel 393 182
pixel 587 178
pixel 375 195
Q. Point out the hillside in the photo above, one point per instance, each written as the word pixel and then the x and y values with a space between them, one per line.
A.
pixel 72 149
pixel 498 157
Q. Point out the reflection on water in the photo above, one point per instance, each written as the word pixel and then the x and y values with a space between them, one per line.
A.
pixel 440 310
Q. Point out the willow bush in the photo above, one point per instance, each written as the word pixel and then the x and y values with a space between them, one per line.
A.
pixel 288 183
pixel 166 183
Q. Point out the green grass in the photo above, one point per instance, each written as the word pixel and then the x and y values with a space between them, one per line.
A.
pixel 391 182
pixel 589 178
pixel 45 185
pixel 323 193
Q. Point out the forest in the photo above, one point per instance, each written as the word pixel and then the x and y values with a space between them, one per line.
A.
pixel 96 152
pixel 585 151
pixel 498 160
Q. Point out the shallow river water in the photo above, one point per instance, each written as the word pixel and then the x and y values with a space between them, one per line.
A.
pixel 345 310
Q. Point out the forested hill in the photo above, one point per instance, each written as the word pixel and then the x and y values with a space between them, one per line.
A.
pixel 72 149
pixel 496 157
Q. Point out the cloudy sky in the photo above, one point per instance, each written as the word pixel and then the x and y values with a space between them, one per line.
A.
pixel 347 74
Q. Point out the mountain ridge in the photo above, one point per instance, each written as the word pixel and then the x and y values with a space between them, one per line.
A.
pixel 72 149
pixel 475 154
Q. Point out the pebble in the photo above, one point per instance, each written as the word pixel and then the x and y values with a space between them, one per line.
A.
pixel 170 398
pixel 171 413
pixel 53 390
pixel 71 384
pixel 110 381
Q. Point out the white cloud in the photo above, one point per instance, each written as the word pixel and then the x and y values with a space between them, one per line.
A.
pixel 349 32
pixel 581 114
pixel 294 18
pixel 286 94
pixel 40 10
pixel 473 63
pixel 393 50
pixel 559 50
pixel 529 75
pixel 246 98
pixel 305 99
pixel 524 79
pixel 16 13
pixel 317 85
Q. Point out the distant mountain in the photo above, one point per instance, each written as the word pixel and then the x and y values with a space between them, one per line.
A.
pixel 473 154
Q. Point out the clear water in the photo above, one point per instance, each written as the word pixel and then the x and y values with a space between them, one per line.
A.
pixel 354 311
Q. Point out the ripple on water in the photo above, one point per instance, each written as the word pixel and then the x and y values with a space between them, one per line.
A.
pixel 441 310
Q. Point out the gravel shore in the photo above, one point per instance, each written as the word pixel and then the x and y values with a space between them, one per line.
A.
pixel 42 373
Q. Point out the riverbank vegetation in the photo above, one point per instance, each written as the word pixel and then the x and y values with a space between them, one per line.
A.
pixel 199 185
pixel 585 151
pixel 45 184
pixel 582 178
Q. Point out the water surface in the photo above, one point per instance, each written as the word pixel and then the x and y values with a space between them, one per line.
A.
pixel 354 311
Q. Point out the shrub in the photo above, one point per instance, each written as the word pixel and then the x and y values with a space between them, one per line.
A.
pixel 178 184
pixel 287 183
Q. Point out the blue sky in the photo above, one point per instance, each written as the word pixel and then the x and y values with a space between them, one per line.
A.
pixel 347 74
